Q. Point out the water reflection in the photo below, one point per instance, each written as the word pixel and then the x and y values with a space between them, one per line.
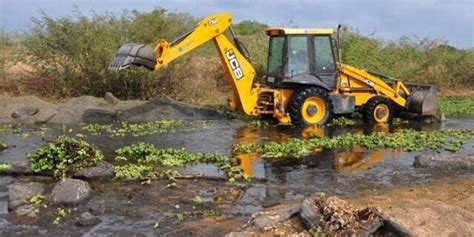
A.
pixel 343 160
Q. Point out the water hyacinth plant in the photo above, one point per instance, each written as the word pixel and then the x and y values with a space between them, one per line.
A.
pixel 145 154
pixel 65 156
pixel 457 105
pixel 134 129
pixel 407 140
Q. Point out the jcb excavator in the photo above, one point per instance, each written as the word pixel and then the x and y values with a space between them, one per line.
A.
pixel 304 84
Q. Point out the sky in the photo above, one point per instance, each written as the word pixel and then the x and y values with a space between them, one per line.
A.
pixel 450 20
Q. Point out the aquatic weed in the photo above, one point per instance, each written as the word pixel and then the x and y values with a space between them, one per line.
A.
pixel 5 166
pixel 65 156
pixel 134 129
pixel 133 171
pixel 463 105
pixel 341 122
pixel 407 140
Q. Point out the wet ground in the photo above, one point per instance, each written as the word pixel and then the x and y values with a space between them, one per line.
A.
pixel 128 208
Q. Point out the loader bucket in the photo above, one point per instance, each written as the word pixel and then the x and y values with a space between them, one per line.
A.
pixel 423 100
pixel 134 54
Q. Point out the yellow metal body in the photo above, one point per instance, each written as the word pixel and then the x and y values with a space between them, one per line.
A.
pixel 250 98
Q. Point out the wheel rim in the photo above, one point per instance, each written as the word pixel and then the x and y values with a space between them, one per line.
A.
pixel 381 113
pixel 313 110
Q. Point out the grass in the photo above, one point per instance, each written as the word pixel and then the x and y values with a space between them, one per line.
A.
pixel 407 140
pixel 455 106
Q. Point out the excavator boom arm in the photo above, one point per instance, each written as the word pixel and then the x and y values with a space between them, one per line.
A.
pixel 239 70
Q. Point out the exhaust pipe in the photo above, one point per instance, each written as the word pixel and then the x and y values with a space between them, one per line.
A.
pixel 134 54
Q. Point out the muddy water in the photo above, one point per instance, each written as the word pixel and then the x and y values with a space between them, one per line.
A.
pixel 131 206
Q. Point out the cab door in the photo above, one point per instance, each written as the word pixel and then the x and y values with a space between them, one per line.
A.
pixel 324 61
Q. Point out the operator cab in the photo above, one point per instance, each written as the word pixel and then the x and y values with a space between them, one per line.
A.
pixel 301 56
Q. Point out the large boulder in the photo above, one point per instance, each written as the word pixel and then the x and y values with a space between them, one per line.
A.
pixel 445 161
pixel 20 193
pixel 70 192
pixel 102 171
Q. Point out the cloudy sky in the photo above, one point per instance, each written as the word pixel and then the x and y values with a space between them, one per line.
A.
pixel 451 20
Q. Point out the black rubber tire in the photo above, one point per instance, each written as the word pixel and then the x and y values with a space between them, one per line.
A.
pixel 369 107
pixel 299 97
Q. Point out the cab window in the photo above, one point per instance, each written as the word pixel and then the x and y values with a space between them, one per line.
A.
pixel 324 55
pixel 275 56
pixel 298 61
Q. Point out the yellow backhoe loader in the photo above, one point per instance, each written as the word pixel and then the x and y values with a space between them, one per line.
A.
pixel 304 83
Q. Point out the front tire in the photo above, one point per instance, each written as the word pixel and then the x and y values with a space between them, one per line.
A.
pixel 378 110
pixel 310 106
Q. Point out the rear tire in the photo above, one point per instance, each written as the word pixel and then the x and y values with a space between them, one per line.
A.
pixel 310 106
pixel 378 110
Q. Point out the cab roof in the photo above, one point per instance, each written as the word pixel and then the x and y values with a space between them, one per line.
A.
pixel 298 31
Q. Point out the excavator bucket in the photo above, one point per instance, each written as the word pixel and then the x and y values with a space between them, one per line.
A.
pixel 423 100
pixel 134 54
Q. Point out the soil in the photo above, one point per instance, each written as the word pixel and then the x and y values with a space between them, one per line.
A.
pixel 441 208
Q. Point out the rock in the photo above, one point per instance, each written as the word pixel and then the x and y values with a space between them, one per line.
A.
pixel 24 112
pixel 23 106
pixel 309 213
pixel 110 98
pixel 70 192
pixel 86 219
pixel 21 168
pixel 20 193
pixel 99 116
pixel 102 171
pixel 166 109
pixel 445 161
pixel 24 215
pixel 273 215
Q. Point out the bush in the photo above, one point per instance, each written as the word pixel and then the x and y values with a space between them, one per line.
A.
pixel 70 57
pixel 65 156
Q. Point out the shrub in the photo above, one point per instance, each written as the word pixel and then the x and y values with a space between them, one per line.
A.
pixel 65 156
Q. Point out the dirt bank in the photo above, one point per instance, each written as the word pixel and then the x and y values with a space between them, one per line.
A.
pixel 89 109
pixel 443 208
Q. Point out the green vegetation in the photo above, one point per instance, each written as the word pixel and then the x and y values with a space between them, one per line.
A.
pixel 3 145
pixel 407 140
pixel 134 129
pixel 65 156
pixel 342 122
pixel 457 105
pixel 5 166
pixel 69 56
pixel 133 171
pixel 145 154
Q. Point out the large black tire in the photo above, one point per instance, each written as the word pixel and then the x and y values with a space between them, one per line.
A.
pixel 297 102
pixel 378 109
